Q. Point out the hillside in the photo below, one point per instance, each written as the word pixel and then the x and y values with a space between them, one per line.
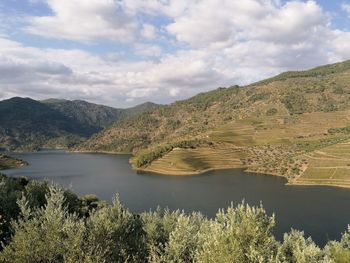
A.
pixel 273 126
pixel 26 124
pixel 84 112
pixel 7 162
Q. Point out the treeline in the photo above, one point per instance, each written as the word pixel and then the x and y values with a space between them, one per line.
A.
pixel 315 72
pixel 53 229
pixel 147 156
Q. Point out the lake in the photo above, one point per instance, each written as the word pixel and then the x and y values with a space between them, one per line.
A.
pixel 322 212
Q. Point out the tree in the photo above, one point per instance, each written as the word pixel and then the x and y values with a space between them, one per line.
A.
pixel 47 234
pixel 296 249
pixel 115 235
pixel 242 234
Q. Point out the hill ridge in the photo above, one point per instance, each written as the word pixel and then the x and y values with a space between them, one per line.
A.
pixel 28 124
pixel 276 123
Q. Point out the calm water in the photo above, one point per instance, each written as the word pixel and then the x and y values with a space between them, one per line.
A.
pixel 322 212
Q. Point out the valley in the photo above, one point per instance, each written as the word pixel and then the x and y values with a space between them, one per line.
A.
pixel 277 126
pixel 295 125
pixel 30 125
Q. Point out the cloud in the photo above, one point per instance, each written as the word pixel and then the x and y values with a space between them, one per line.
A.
pixel 176 48
pixel 340 45
pixel 146 50
pixel 86 21
pixel 346 8
pixel 43 73
pixel 148 31
pixel 205 24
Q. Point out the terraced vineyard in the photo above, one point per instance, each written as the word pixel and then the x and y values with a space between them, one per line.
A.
pixel 190 161
pixel 281 145
pixel 329 165
pixel 277 126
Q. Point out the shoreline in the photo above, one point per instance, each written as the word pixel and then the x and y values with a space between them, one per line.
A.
pixel 8 162
pixel 317 184
pixel 96 152
pixel 189 173
pixel 194 173
pixel 247 170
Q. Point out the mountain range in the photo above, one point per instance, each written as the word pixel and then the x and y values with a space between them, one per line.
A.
pixel 296 125
pixel 27 124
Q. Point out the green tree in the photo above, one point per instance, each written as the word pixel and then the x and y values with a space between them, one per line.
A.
pixel 47 234
pixel 298 249
pixel 242 234
pixel 339 252
pixel 115 235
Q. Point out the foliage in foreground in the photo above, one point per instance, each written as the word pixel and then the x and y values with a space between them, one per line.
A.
pixel 110 233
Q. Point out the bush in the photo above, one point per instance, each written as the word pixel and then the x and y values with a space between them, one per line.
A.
pixel 242 234
pixel 296 249
pixel 110 233
pixel 271 112
pixel 296 103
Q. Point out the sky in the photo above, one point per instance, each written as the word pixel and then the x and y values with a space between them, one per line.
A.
pixel 125 52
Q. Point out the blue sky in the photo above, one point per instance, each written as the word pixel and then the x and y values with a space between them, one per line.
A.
pixel 125 52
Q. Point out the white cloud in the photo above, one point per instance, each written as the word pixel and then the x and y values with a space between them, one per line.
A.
pixel 43 73
pixel 148 31
pixel 340 45
pixel 236 21
pixel 204 44
pixel 146 50
pixel 85 21
pixel 346 8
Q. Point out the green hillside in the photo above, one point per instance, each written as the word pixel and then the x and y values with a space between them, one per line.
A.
pixel 85 112
pixel 272 126
pixel 26 124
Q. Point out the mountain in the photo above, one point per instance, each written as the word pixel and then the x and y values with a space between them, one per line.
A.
pixel 95 115
pixel 84 112
pixel 26 124
pixel 296 125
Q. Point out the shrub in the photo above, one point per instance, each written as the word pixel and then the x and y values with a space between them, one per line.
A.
pixel 296 249
pixel 271 112
pixel 110 233
pixel 296 103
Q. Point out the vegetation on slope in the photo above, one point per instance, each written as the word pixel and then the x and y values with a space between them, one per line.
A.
pixel 315 72
pixel 7 162
pixel 200 114
pixel 84 112
pixel 270 125
pixel 26 124
pixel 146 157
pixel 48 225
pixel 95 115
